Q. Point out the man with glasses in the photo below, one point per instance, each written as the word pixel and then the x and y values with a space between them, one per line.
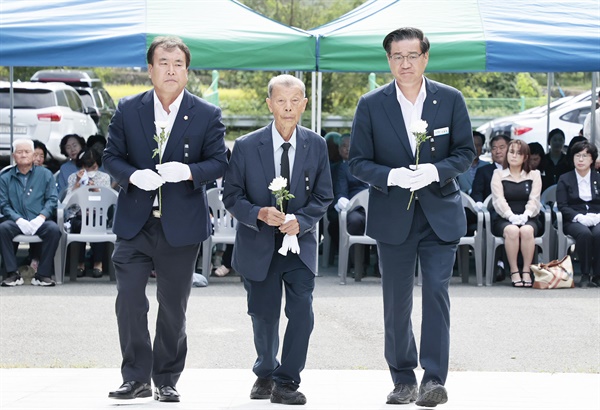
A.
pixel 384 153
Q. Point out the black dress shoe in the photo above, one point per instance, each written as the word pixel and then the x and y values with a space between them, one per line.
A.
pixel 499 274
pixel 166 393
pixel 131 390
pixel 261 389
pixel 431 394
pixel 402 394
pixel 595 281
pixel 287 394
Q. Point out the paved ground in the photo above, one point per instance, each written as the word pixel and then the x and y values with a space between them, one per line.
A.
pixel 511 348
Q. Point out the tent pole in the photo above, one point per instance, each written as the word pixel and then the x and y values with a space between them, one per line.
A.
pixel 319 101
pixel 313 100
pixel 593 136
pixel 11 115
pixel 550 82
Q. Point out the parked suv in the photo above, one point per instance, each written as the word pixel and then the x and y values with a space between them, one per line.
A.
pixel 90 89
pixel 45 112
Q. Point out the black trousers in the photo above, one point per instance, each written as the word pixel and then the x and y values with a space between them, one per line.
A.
pixel 264 307
pixel 134 259
pixel 397 264
pixel 49 232
pixel 587 245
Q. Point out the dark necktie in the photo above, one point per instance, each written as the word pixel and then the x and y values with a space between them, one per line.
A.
pixel 285 167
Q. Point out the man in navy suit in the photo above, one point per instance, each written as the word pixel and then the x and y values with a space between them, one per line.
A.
pixel 161 217
pixel 286 149
pixel 382 154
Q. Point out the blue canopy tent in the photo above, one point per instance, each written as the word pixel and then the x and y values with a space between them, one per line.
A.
pixel 468 36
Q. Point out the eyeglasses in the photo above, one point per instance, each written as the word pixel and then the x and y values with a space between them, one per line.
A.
pixel 582 156
pixel 411 57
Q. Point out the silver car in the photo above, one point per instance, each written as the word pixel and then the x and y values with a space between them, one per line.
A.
pixel 45 112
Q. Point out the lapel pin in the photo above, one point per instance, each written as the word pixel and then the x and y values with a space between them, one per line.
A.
pixel 435 101
pixel 185 117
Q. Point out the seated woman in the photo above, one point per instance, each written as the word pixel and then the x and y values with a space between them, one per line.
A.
pixel 578 199
pixel 516 193
pixel 88 174
pixel 70 146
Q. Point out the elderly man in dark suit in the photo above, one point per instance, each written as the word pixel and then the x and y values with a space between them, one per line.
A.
pixel 281 149
pixel 162 217
pixel 383 154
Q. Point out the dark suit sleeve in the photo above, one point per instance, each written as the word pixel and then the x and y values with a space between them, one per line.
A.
pixel 235 197
pixel 478 189
pixel 340 182
pixel 321 195
pixel 213 161
pixel 115 153
pixel 462 149
pixel 362 152
pixel 563 197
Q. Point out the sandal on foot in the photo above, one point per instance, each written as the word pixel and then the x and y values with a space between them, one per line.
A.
pixel 527 283
pixel 516 283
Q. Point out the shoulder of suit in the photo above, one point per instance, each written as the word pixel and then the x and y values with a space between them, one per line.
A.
pixel 253 136
pixel 443 87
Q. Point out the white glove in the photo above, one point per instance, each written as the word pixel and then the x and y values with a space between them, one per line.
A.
pixel 342 203
pixel 146 179
pixel 36 223
pixel 596 219
pixel 25 226
pixel 174 171
pixel 479 206
pixel 523 219
pixel 422 176
pixel 290 242
pixel 586 220
pixel 516 219
pixel 400 177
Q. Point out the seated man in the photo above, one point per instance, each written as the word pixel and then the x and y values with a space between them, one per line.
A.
pixel 28 199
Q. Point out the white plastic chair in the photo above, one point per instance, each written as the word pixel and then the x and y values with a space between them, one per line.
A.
pixel 492 242
pixel 564 241
pixel 346 240
pixel 476 242
pixel 95 204
pixel 224 227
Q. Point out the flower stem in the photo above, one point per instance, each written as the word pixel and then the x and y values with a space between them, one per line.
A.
pixel 412 194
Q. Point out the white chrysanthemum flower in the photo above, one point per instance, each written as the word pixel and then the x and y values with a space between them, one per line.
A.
pixel 418 127
pixel 161 124
pixel 278 183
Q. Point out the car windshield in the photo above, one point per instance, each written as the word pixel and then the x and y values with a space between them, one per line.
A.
pixel 28 99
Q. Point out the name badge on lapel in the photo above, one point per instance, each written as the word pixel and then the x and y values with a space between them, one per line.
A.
pixel 441 131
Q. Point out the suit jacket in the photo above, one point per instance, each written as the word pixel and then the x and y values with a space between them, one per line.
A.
pixel 465 181
pixel 345 184
pixel 482 183
pixel 130 145
pixel 567 196
pixel 380 143
pixel 248 176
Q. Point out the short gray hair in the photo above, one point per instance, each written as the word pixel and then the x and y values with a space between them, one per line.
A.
pixel 286 80
pixel 20 141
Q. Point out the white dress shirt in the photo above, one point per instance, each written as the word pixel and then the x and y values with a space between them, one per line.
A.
pixel 585 189
pixel 411 112
pixel 277 151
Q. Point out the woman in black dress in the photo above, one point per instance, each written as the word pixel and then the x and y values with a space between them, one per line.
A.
pixel 516 193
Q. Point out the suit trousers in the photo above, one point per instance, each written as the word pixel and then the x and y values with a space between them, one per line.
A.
pixel 264 307
pixel 587 244
pixel 397 264
pixel 134 259
pixel 49 232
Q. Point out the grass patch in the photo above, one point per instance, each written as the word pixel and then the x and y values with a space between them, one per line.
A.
pixel 118 91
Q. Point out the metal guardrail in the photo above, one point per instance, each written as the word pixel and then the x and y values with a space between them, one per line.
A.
pixel 333 121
